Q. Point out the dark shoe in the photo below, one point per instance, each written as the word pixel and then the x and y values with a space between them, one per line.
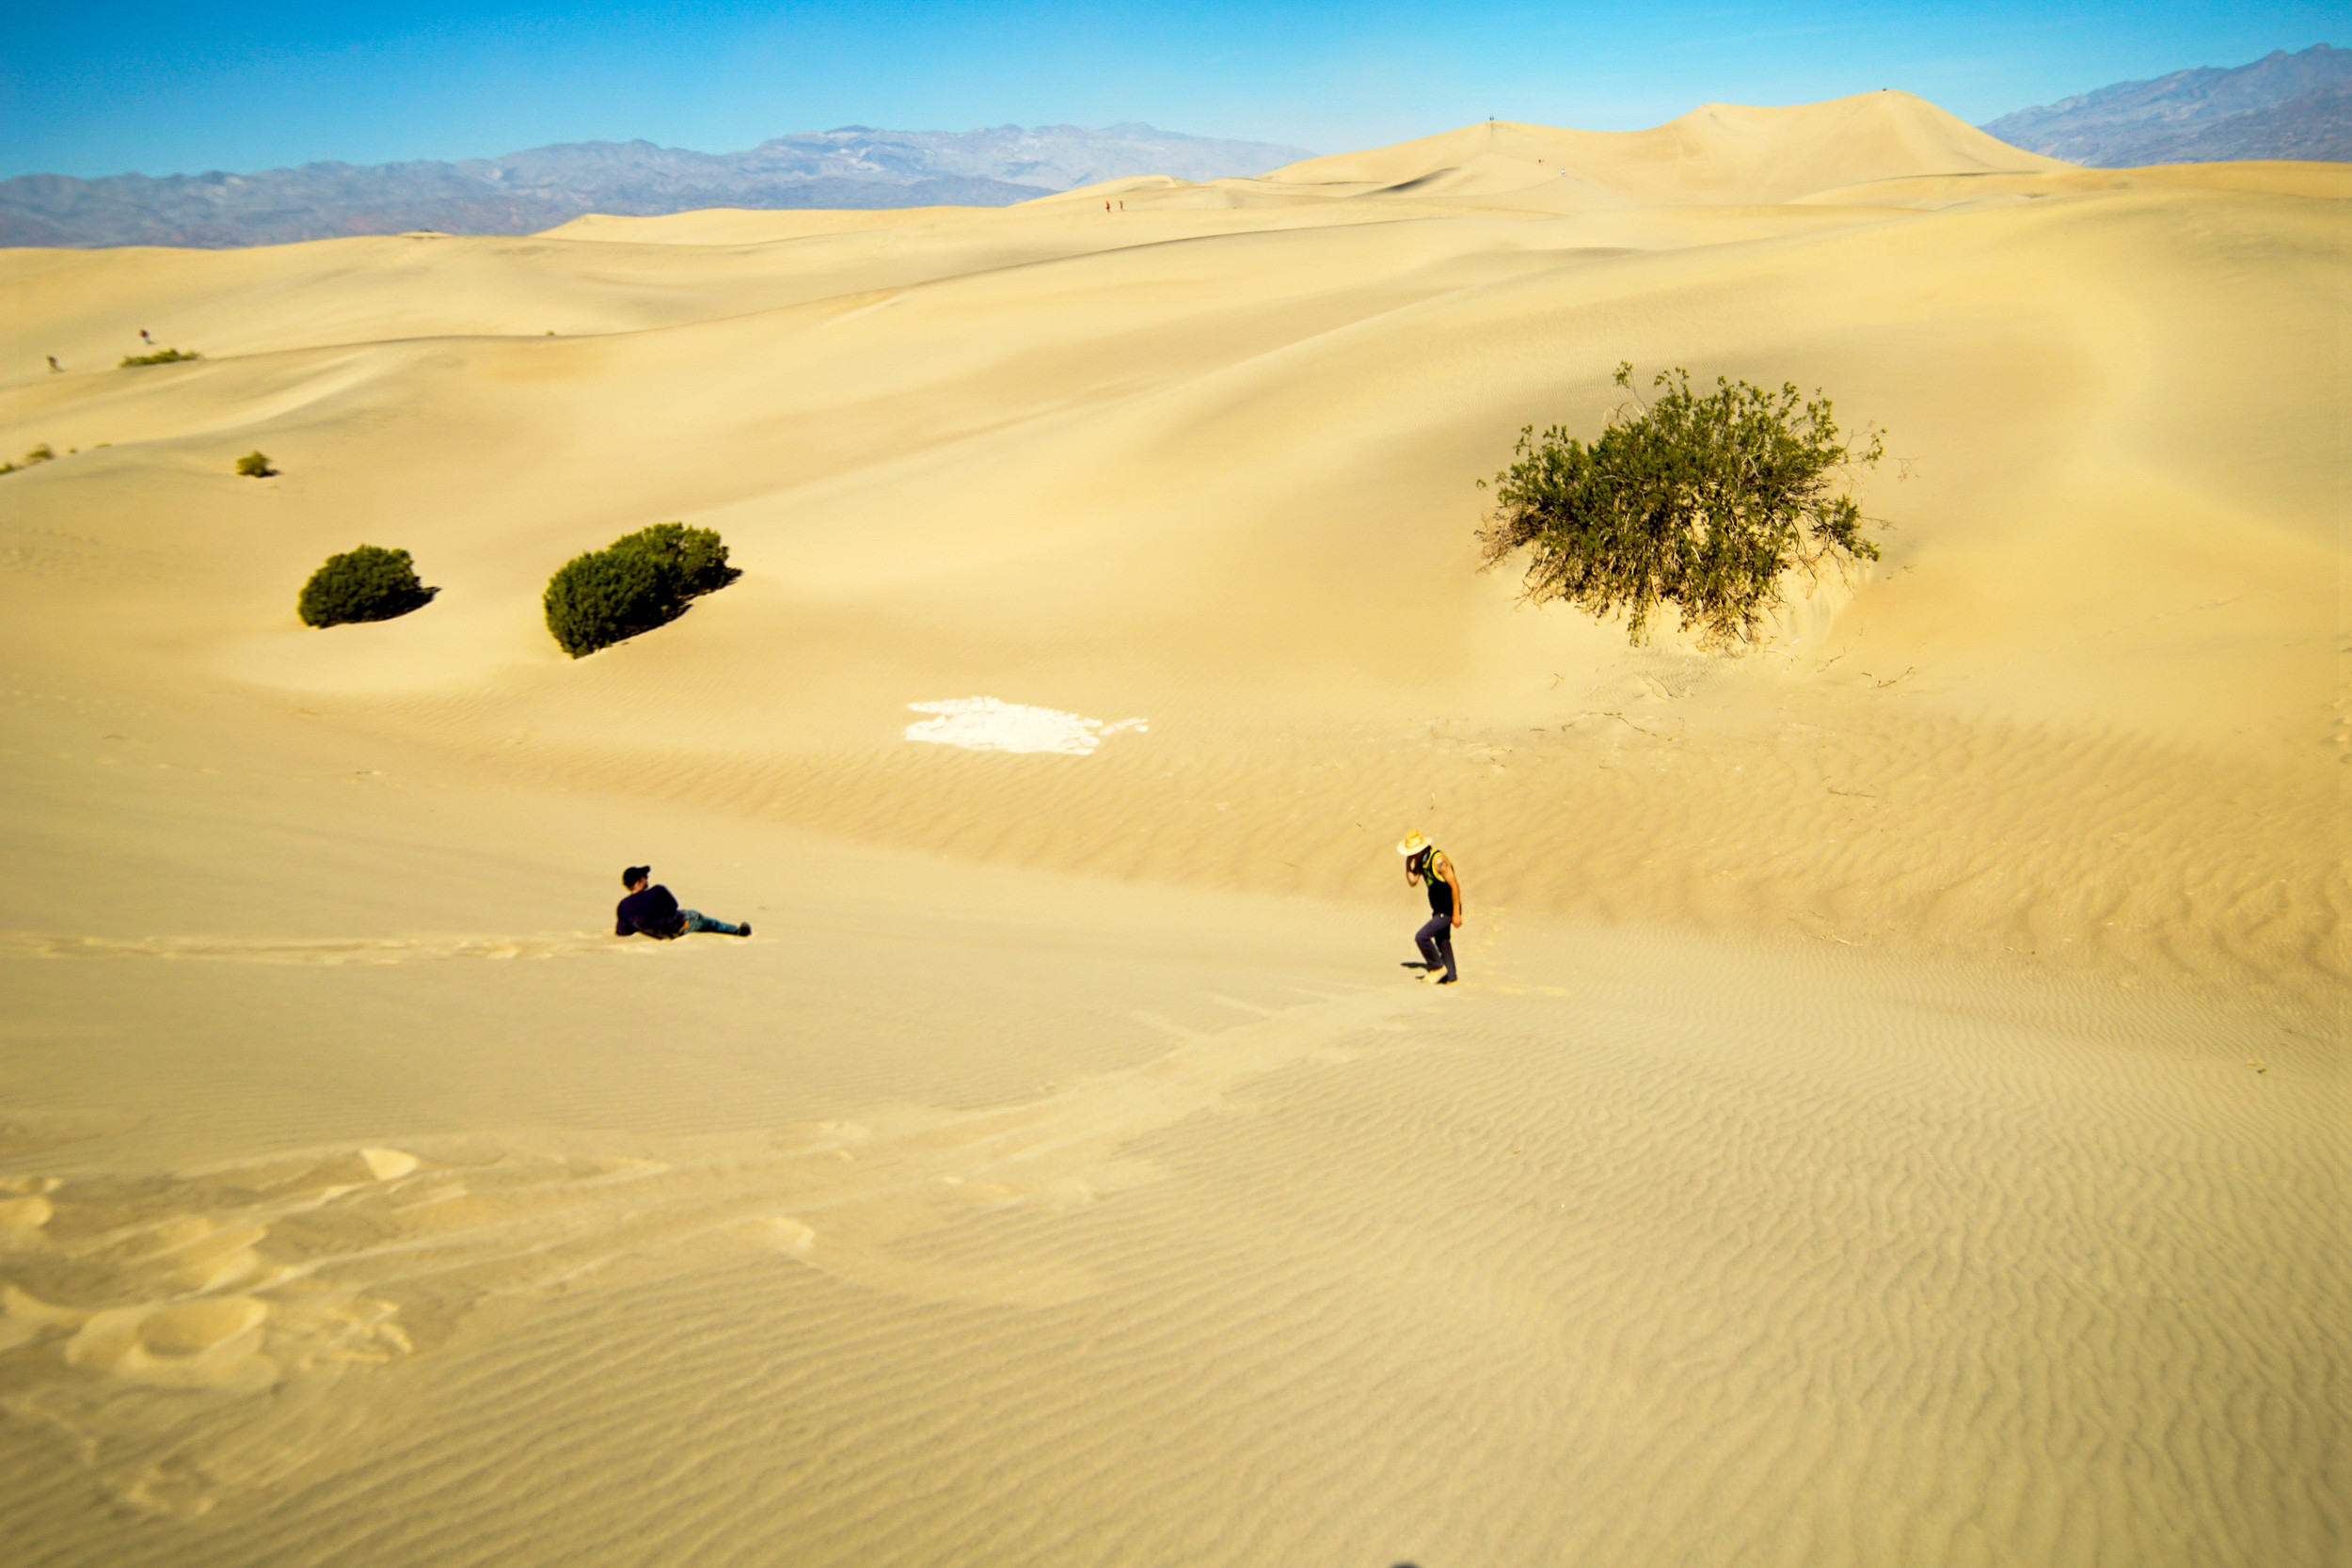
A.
pixel 744 930
pixel 1448 979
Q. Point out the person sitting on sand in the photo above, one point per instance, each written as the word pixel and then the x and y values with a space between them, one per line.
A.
pixel 1425 862
pixel 649 910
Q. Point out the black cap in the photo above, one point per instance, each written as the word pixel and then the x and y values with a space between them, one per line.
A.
pixel 634 875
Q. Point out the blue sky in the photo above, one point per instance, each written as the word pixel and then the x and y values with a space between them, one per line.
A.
pixel 162 89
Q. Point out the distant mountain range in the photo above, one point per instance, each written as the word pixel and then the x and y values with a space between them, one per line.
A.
pixel 524 192
pixel 2281 106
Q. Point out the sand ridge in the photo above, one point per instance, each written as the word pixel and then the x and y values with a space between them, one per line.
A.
pixel 382 950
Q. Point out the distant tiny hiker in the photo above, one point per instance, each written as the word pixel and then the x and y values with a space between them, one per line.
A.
pixel 1425 862
pixel 145 338
pixel 649 910
pixel 55 368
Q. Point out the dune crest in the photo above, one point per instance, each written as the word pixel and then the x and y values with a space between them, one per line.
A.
pixel 1718 154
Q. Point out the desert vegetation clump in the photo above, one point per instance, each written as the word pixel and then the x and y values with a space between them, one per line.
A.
pixel 1705 502
pixel 253 464
pixel 364 584
pixel 41 453
pixel 639 581
pixel 161 356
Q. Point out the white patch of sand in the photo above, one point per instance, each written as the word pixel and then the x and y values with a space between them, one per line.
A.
pixel 986 724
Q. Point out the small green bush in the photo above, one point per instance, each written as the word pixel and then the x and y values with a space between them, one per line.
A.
pixel 640 581
pixel 1702 501
pixel 254 466
pixel 161 356
pixel 41 453
pixel 365 584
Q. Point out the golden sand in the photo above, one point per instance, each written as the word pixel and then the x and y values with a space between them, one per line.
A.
pixel 1893 1113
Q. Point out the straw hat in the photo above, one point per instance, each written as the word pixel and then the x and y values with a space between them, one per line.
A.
pixel 1415 842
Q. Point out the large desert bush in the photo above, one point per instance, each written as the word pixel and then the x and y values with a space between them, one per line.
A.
pixel 639 581
pixel 161 356
pixel 1708 502
pixel 365 584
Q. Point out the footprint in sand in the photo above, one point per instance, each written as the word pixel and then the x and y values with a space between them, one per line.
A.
pixel 213 1343
pixel 192 1331
pixel 198 1289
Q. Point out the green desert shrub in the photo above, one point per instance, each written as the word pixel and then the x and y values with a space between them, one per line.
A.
pixel 161 356
pixel 640 581
pixel 365 584
pixel 1702 501
pixel 41 453
pixel 253 464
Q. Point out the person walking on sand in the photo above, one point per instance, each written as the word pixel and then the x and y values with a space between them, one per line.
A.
pixel 1428 865
pixel 649 910
pixel 55 368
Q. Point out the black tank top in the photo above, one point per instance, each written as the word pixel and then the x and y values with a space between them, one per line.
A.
pixel 1440 891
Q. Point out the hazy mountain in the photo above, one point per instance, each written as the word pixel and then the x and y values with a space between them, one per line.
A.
pixel 523 192
pixel 2281 106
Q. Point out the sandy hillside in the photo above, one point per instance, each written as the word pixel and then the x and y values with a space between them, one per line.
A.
pixel 1893 1112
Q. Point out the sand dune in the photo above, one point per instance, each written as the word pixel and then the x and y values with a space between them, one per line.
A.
pixel 1717 154
pixel 1891 1114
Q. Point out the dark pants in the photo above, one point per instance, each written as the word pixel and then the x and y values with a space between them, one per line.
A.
pixel 697 920
pixel 1435 942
